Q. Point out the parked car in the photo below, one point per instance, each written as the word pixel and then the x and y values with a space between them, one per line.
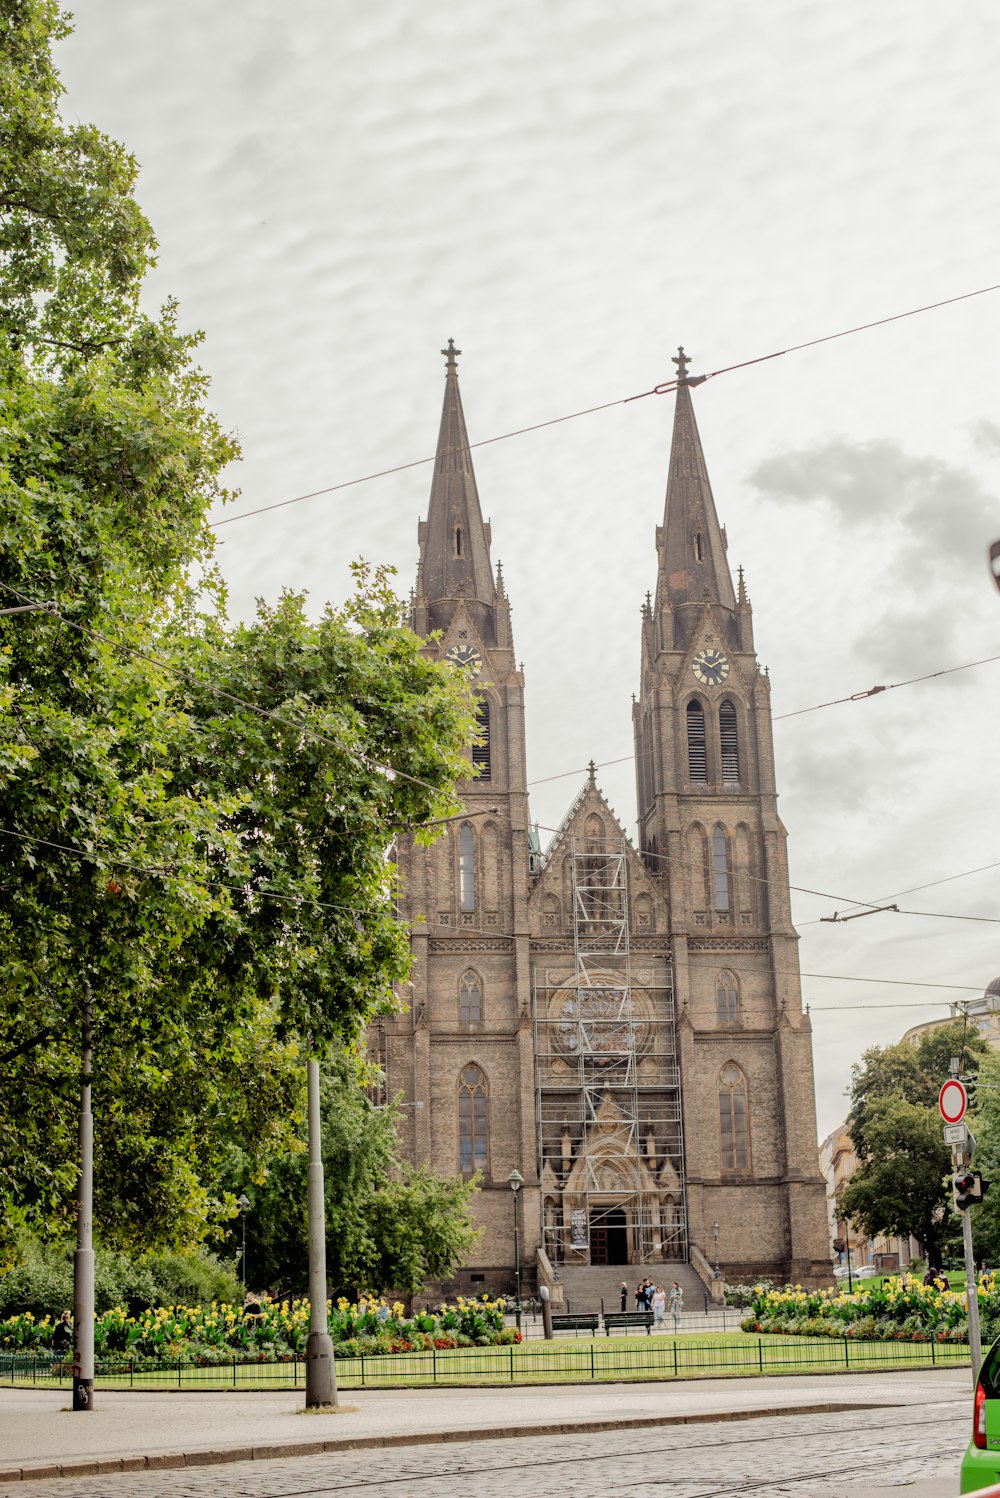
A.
pixel 981 1463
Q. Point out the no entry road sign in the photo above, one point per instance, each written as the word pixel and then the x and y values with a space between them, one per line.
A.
pixel 953 1101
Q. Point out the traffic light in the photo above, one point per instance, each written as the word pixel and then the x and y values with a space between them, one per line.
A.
pixel 968 1189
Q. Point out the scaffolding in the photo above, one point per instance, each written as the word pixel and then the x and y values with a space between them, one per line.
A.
pixel 607 1086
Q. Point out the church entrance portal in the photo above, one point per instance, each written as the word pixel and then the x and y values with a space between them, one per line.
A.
pixel 608 1236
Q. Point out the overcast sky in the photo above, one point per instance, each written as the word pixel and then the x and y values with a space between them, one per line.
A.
pixel 571 190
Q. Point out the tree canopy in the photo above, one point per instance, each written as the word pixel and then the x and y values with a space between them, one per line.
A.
pixel 195 816
pixel 902 1184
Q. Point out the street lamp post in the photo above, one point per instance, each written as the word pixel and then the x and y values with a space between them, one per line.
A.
pixel 83 1259
pixel 515 1181
pixel 244 1206
pixel 715 1240
pixel 321 1376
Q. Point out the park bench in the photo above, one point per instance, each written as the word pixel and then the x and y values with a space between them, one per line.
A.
pixel 568 1323
pixel 622 1320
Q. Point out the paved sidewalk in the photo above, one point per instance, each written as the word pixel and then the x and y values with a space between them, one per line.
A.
pixel 41 1437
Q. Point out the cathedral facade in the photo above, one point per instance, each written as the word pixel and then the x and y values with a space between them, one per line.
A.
pixel 617 1027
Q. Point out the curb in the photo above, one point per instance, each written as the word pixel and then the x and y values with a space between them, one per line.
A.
pixel 160 1461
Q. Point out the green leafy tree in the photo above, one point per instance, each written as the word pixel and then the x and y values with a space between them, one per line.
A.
pixel 902 1184
pixel 389 1226
pixel 195 817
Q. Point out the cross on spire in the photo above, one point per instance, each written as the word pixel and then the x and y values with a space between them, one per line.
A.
pixel 451 355
pixel 682 361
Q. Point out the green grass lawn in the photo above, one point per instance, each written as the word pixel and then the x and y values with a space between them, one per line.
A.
pixel 568 1360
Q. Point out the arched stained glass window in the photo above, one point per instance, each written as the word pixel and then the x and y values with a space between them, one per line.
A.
pixel 733 1137
pixel 481 757
pixel 466 868
pixel 473 1121
pixel 697 748
pixel 470 999
pixel 720 869
pixel 729 742
pixel 727 999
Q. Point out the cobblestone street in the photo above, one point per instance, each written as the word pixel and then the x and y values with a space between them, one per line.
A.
pixel 815 1456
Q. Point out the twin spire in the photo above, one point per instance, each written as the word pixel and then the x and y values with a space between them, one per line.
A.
pixel 455 541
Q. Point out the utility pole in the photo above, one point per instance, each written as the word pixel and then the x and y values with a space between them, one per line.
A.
pixel 321 1378
pixel 968 1187
pixel 83 1259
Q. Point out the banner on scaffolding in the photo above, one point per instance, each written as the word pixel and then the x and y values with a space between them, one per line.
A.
pixel 578 1228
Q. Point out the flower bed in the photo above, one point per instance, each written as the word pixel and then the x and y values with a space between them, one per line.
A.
pixel 900 1310
pixel 218 1333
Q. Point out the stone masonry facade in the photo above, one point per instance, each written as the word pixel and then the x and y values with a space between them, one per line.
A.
pixel 620 1024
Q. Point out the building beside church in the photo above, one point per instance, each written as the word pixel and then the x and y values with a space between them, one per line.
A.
pixel 620 1025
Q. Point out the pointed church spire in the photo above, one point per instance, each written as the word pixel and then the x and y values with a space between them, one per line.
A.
pixel 691 543
pixel 454 542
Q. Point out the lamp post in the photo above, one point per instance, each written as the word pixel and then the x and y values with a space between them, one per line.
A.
pixel 715 1240
pixel 83 1259
pixel 244 1206
pixel 515 1181
pixel 321 1376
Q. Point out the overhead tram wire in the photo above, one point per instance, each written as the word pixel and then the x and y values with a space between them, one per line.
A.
pixel 389 771
pixel 869 906
pixel 269 714
pixel 663 389
pixel 160 872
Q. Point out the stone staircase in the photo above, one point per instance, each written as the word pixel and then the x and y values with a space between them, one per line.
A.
pixel 586 1285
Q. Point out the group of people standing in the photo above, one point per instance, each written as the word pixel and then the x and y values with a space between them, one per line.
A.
pixel 650 1297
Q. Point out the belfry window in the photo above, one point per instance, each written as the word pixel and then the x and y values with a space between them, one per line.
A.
pixel 729 742
pixel 481 758
pixel 727 999
pixel 466 868
pixel 733 1136
pixel 697 748
pixel 720 869
pixel 470 999
pixel 473 1121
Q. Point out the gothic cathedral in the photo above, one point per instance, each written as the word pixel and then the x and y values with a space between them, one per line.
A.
pixel 618 1028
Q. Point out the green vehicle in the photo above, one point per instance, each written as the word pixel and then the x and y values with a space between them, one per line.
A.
pixel 981 1463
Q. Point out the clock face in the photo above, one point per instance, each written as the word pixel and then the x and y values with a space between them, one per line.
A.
pixel 466 656
pixel 710 667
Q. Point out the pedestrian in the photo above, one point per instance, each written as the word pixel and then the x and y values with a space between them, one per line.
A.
pixel 640 1296
pixel 252 1308
pixel 624 1295
pixel 62 1334
pixel 659 1305
pixel 675 1305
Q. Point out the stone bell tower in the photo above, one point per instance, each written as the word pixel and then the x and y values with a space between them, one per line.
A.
pixel 713 841
pixel 461 1057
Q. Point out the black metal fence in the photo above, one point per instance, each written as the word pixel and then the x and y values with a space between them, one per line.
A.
pixel 533 1362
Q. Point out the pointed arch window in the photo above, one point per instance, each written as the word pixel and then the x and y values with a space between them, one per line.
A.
pixel 470 999
pixel 466 868
pixel 473 1121
pixel 481 756
pixel 459 540
pixel 720 869
pixel 697 747
pixel 733 1135
pixel 727 999
pixel 729 742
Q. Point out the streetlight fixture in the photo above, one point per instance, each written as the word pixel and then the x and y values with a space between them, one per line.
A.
pixel 715 1240
pixel 244 1205
pixel 515 1181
